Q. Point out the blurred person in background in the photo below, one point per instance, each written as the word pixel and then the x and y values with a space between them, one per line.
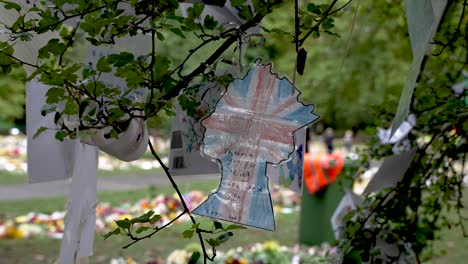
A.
pixel 348 140
pixel 328 138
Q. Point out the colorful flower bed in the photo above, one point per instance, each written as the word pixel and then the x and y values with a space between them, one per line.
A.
pixel 51 225
pixel 269 252
pixel 13 157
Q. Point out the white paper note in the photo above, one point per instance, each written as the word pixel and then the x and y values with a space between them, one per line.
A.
pixel 80 220
pixel 391 171
pixel 290 173
pixel 45 154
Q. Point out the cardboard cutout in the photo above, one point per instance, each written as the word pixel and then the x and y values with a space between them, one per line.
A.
pixel 253 124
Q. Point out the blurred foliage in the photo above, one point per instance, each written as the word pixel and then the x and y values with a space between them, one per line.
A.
pixel 345 76
pixel 12 95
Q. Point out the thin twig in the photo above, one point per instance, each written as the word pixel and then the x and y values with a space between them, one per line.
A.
pixel 319 22
pixel 179 194
pixel 136 239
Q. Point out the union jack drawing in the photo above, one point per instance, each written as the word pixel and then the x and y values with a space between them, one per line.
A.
pixel 252 125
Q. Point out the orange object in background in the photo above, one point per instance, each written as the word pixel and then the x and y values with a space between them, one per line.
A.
pixel 320 170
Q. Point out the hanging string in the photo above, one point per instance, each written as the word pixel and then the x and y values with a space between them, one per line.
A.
pixel 349 36
pixel 297 33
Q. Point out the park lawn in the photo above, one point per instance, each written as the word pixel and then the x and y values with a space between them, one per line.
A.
pixel 451 246
pixel 12 178
pixel 45 250
pixel 48 205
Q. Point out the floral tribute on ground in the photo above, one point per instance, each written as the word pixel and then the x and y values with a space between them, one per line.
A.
pixel 51 225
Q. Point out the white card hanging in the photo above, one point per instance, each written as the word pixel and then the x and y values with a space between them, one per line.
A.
pixel 80 220
pixel 391 171
pixel 349 202
pixel 187 135
pixel 290 173
pixel 400 134
pixel 46 155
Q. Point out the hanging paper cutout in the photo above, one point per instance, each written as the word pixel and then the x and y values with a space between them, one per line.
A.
pixel 253 124
pixel 400 134
pixel 421 25
pixel 349 202
pixel 187 138
pixel 391 171
pixel 187 134
pixel 290 173
pixel 80 220
pixel 47 159
pixel 320 170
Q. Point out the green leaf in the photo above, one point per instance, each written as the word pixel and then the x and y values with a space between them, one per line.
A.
pixel 316 34
pixel 103 65
pixel 154 219
pixel 232 227
pixel 70 108
pixel 121 59
pixel 142 229
pixel 47 109
pixel 144 218
pixel 113 134
pixel 217 225
pixel 61 135
pixel 210 23
pixel 178 32
pixel 213 242
pixel 54 47
pixel 328 23
pixel 224 237
pixel 124 223
pixel 54 95
pixel 111 233
pixel 195 10
pixel 313 8
pixel 246 13
pixel 194 258
pixel 160 36
pixel 332 33
pixel 11 5
pixel 188 233
pixel 39 131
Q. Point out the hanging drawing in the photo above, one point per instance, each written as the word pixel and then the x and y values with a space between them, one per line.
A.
pixel 252 125
pixel 187 138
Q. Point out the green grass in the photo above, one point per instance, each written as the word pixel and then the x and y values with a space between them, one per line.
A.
pixel 45 250
pixel 48 205
pixel 451 246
